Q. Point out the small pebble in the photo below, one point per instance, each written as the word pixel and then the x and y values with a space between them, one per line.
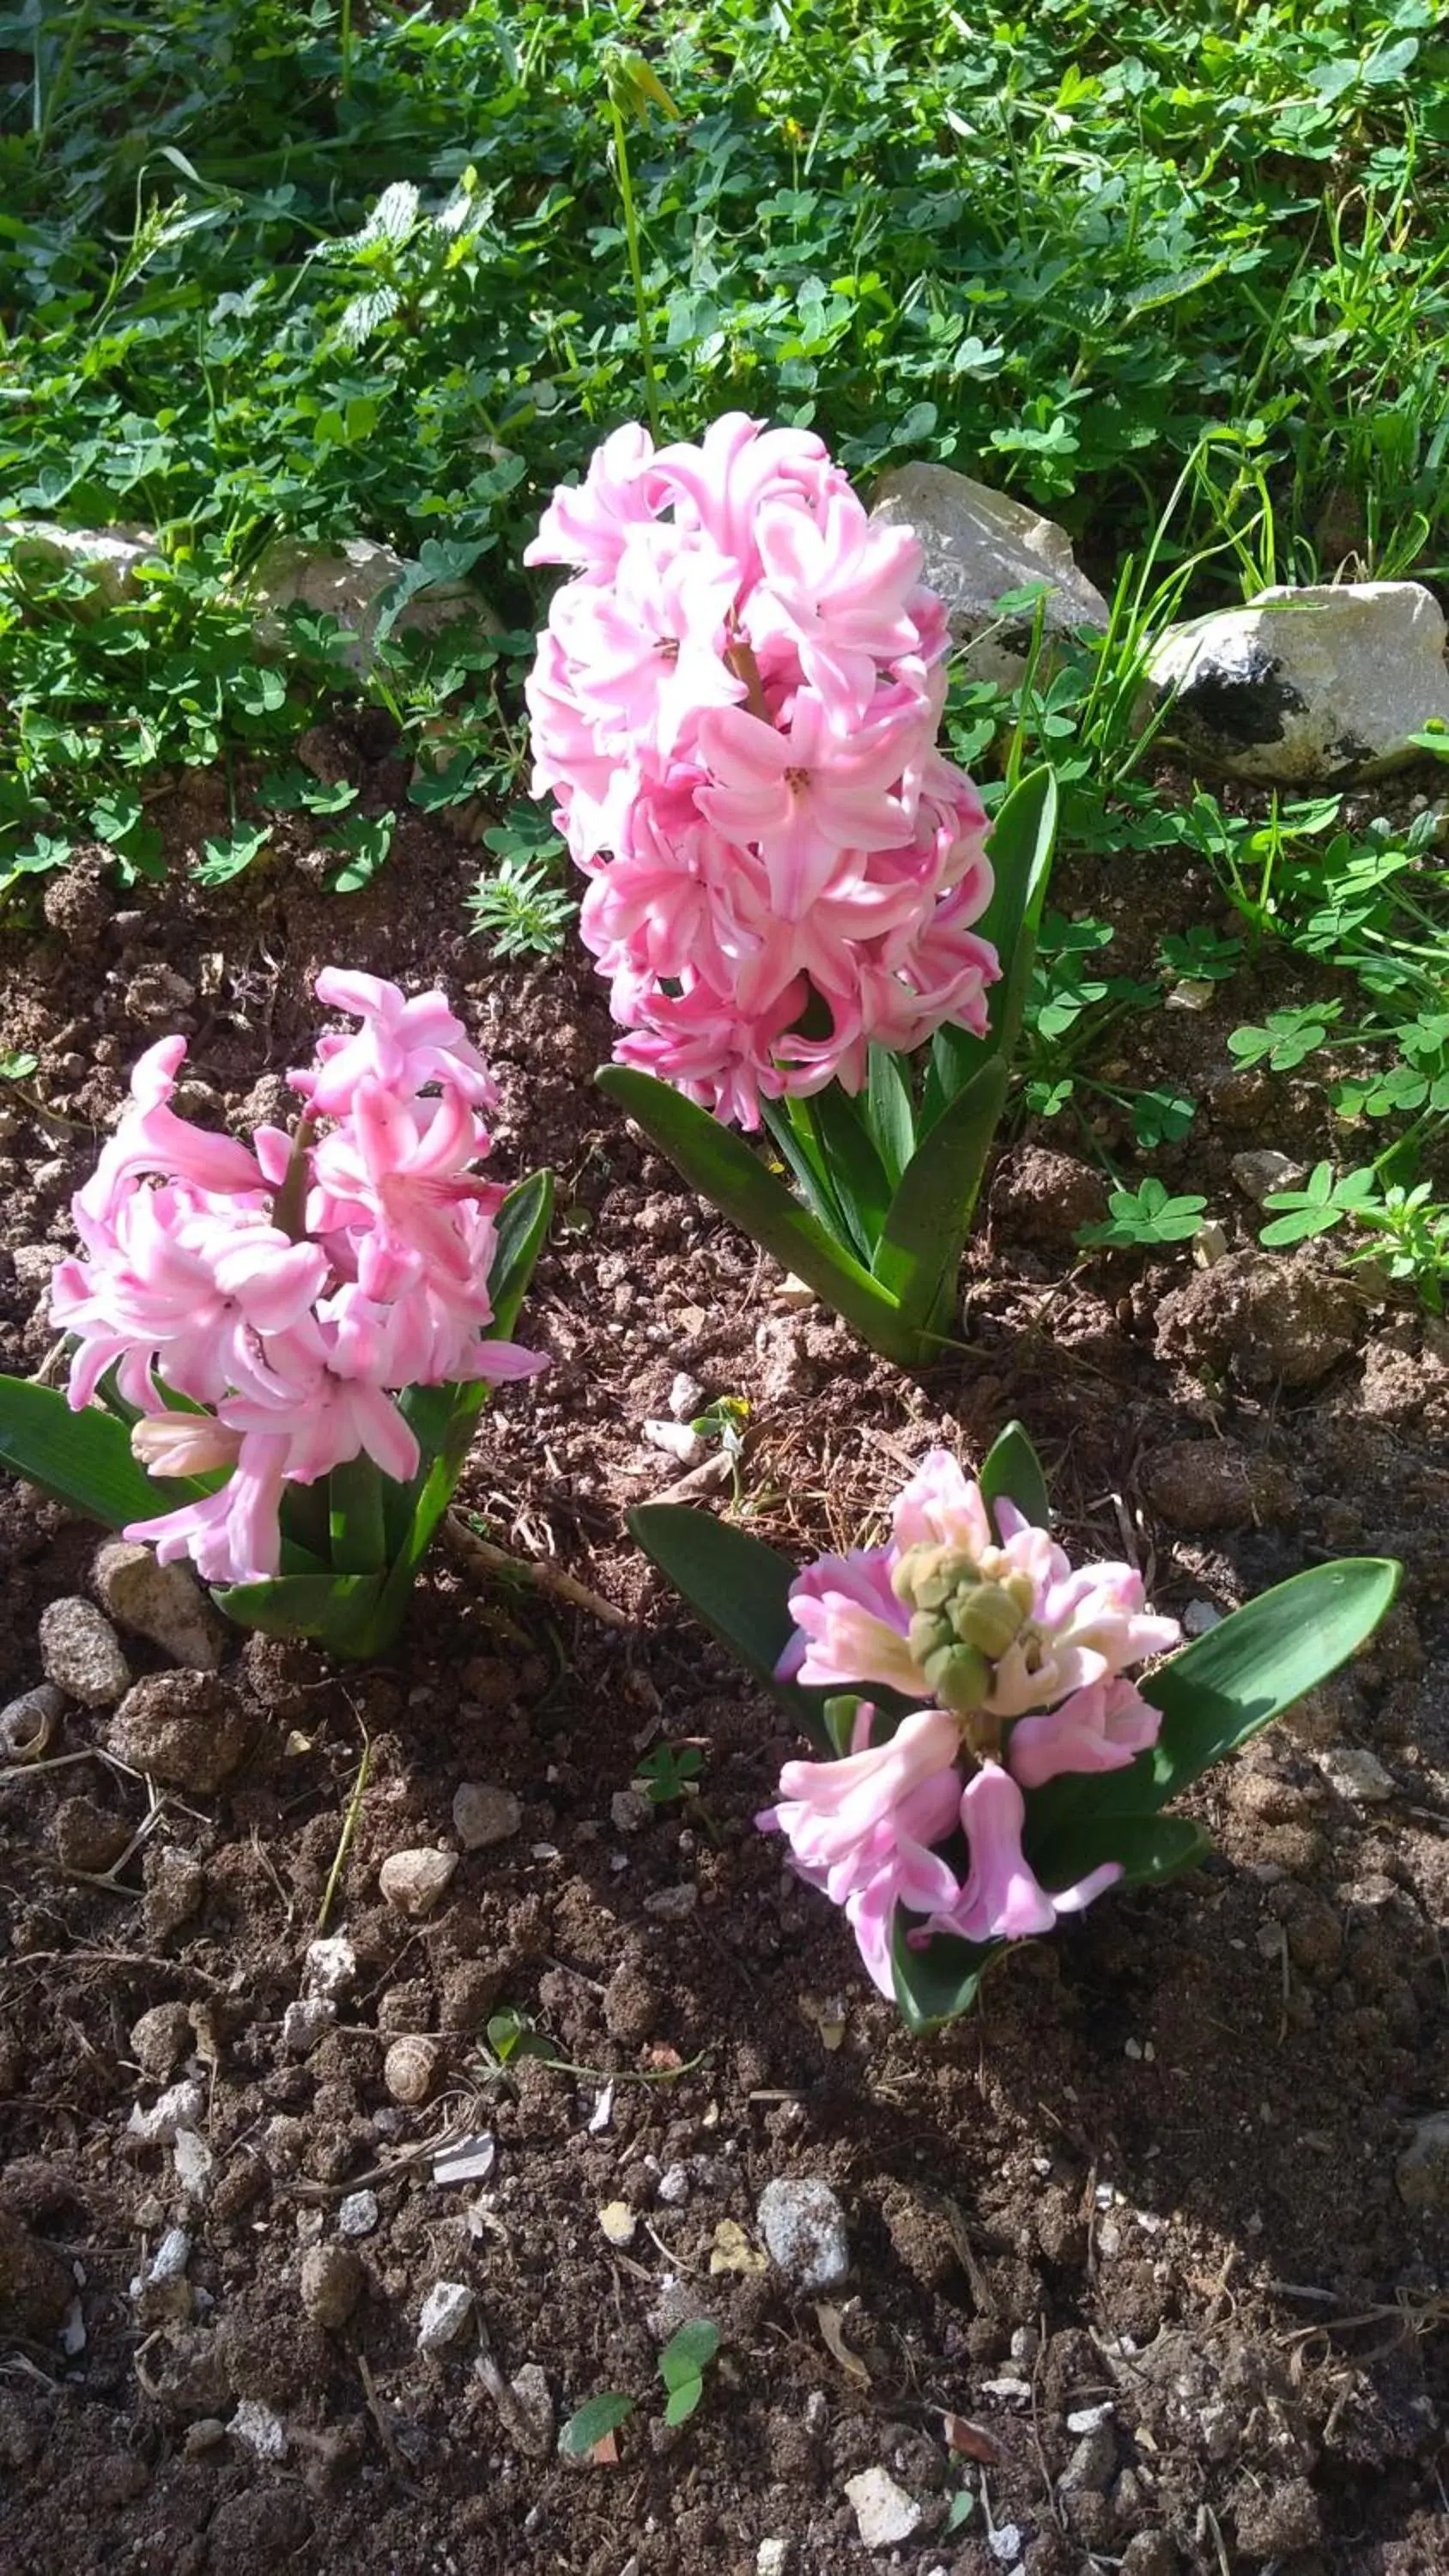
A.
pixel 332 2282
pixel 182 2107
pixel 772 2558
pixel 413 1881
pixel 1355 1773
pixel 410 2068
pixel 331 1968
pixel 446 2315
pixel 803 2225
pixel 534 2400
pixel 305 2023
pixel 358 2214
pixel 1005 2543
pixel 672 1904
pixel 81 1653
pixel 1260 1173
pixel 884 2513
pixel 673 2187
pixel 163 1603
pixel 261 2430
pixel 618 2222
pixel 1198 1617
pixel 189 1730
pixel 484 1815
pixel 159 2039
pixel 686 1397
pixel 1089 2419
pixel 194 2163
pixel 630 1811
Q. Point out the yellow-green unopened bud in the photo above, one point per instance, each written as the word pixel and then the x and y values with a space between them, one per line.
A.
pixel 959 1677
pixel 991 1615
pixel 927 1576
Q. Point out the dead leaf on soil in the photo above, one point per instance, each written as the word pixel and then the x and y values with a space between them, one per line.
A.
pixel 828 2320
pixel 971 2441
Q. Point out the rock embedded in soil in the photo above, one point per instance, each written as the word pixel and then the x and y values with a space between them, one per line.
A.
pixel 182 2106
pixel 1422 2171
pixel 1259 1174
pixel 111 559
pixel 1358 1774
pixel 81 1653
pixel 1270 1321
pixel 884 2514
pixel 163 1603
pixel 331 1968
pixel 307 2022
pixel 447 2313
pixel 980 544
pixel 260 2428
pixel 88 1838
pixel 351 582
pixel 483 1815
pixel 1306 687
pixel 413 1881
pixel 160 2039
pixel 1091 2464
pixel 805 2234
pixel 1213 1485
pixel 332 2282
pixel 189 1730
pixel 175 1889
pixel 358 2214
pixel 1150 2553
pixel 1272 2522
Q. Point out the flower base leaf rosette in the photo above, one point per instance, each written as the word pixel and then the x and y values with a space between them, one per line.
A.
pixel 280 1351
pixel 1004 1769
pixel 808 923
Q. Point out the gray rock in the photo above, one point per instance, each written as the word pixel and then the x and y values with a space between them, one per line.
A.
pixel 804 2229
pixel 1091 2464
pixel 884 2513
pixel 175 1889
pixel 110 558
pixel 447 2313
pixel 1318 686
pixel 673 1904
pixel 1259 1174
pixel 164 1603
pixel 351 582
pixel 27 1723
pixel 533 2399
pixel 1358 1774
pixel 1422 2171
pixel 413 1881
pixel 358 2214
pixel 979 545
pixel 187 1730
pixel 1150 2553
pixel 260 2428
pixel 160 2039
pixel 332 2283
pixel 484 1815
pixel 81 1653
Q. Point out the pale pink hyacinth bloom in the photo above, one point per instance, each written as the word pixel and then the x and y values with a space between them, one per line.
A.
pixel 734 710
pixel 1085 1626
pixel 1101 1728
pixel 860 1828
pixel 188 1286
pixel 1001 1898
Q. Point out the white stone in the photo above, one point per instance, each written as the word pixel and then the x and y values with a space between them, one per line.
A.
pixel 630 1810
pixel 484 1815
pixel 1090 2419
pixel 979 545
pixel 1005 2542
pixel 110 557
pixel 350 582
pixel 261 2430
pixel 163 1603
pixel 686 1397
pixel 305 2022
pixel 446 2315
pixel 676 1440
pixel 884 2513
pixel 413 1881
pixel 1198 1617
pixel 182 2106
pixel 331 1968
pixel 804 2229
pixel 533 2399
pixel 673 2187
pixel 1311 687
pixel 772 2558
pixel 358 2214
pixel 194 2163
pixel 1358 1774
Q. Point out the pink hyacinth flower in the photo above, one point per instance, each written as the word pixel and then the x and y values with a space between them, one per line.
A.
pixel 1001 1898
pixel 861 1828
pixel 403 1044
pixel 804 794
pixel 151 1138
pixel 1101 1728
pixel 849 1626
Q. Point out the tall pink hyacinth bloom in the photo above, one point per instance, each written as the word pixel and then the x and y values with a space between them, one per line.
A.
pixel 1028 1656
pixel 734 709
pixel 297 1342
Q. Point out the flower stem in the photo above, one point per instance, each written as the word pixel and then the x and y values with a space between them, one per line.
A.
pixel 631 236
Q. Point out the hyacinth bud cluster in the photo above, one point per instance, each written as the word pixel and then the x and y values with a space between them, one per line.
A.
pixel 1024 1658
pixel 291 1288
pixel 735 707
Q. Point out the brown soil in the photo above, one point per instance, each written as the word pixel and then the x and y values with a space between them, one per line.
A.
pixel 1158 2173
